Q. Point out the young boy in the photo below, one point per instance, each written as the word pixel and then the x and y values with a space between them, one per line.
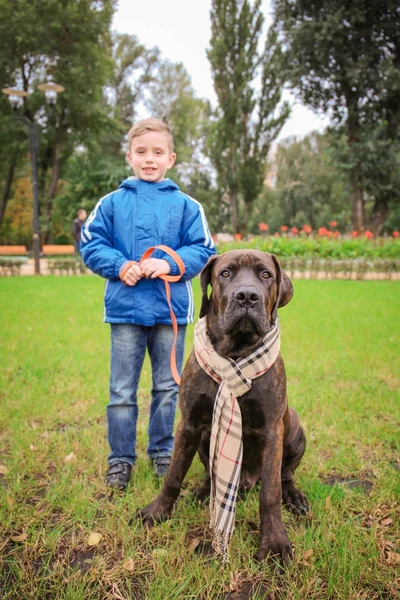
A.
pixel 146 211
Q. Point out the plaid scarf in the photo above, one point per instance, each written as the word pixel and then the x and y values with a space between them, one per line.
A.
pixel 235 379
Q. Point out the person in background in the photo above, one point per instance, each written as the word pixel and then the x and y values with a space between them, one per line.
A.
pixel 77 227
pixel 147 210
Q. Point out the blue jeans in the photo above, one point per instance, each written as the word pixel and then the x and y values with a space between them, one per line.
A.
pixel 128 349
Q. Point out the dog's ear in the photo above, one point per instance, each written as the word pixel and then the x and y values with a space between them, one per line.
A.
pixel 285 288
pixel 205 280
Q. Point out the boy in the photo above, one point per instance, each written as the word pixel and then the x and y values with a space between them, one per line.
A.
pixel 146 210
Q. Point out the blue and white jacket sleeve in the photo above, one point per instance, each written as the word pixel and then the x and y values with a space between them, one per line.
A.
pixel 97 250
pixel 197 243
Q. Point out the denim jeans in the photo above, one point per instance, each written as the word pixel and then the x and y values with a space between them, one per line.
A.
pixel 128 349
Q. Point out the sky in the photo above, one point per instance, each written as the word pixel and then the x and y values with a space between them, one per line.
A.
pixel 181 29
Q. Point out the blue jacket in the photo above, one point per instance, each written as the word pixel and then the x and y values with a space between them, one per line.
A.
pixel 123 225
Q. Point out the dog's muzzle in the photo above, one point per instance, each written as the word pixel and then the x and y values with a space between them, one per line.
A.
pixel 245 312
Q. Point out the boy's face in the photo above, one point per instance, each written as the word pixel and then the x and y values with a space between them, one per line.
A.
pixel 150 156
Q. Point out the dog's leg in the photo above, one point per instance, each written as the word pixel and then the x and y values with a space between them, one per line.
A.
pixel 186 444
pixel 274 541
pixel 293 450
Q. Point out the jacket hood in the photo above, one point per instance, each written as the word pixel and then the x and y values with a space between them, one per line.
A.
pixel 165 184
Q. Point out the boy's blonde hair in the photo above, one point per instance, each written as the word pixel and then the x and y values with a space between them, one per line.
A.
pixel 151 124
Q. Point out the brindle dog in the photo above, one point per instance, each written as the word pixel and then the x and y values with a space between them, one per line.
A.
pixel 248 287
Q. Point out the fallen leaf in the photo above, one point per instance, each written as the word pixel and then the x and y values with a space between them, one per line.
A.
pixel 10 502
pixel 308 553
pixel 129 564
pixel 70 458
pixel 327 503
pixel 193 544
pixel 386 522
pixel 393 558
pixel 32 447
pixel 94 538
pixel 4 470
pixel 19 538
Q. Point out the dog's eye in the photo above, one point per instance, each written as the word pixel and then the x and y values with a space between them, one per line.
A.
pixel 225 273
pixel 265 275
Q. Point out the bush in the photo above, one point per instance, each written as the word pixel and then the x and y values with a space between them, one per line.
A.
pixel 321 247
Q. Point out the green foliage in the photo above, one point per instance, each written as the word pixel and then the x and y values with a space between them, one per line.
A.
pixel 343 60
pixel 68 42
pixel 172 99
pixel 246 122
pixel 309 187
pixel 321 247
pixel 89 176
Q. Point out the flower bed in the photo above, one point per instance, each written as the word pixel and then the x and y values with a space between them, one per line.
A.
pixel 320 256
pixel 339 248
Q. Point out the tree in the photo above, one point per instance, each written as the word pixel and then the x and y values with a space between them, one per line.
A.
pixel 69 42
pixel 172 99
pixel 309 186
pixel 133 70
pixel 247 122
pixel 344 58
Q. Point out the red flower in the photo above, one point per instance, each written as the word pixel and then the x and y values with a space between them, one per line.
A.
pixel 369 235
pixel 238 236
pixel 263 226
pixel 284 228
pixel 307 229
pixel 294 230
pixel 354 233
pixel 276 234
pixel 396 234
pixel 332 224
pixel 323 231
pixel 336 234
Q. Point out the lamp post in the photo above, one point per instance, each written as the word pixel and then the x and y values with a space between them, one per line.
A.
pixel 16 96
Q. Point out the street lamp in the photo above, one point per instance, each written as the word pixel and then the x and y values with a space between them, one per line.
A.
pixel 16 96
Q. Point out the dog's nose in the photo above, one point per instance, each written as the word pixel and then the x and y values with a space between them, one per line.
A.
pixel 247 296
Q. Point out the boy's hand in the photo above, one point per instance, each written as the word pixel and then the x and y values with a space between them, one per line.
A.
pixel 154 267
pixel 133 275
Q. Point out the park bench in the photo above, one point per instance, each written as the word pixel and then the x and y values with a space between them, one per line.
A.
pixel 11 259
pixel 13 251
pixel 54 249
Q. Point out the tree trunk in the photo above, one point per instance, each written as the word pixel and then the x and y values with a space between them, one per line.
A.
pixel 357 193
pixel 7 187
pixel 357 203
pixel 233 197
pixel 378 215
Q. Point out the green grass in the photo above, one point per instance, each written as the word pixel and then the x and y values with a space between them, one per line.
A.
pixel 341 346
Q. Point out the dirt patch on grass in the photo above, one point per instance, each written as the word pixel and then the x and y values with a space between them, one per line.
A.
pixel 358 483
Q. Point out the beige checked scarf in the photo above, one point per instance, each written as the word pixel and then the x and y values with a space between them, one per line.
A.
pixel 235 379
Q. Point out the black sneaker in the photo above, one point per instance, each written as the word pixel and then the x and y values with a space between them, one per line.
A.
pixel 119 474
pixel 161 465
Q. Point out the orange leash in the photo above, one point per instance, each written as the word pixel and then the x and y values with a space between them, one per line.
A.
pixel 167 279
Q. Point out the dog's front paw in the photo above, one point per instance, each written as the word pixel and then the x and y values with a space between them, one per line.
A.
pixel 153 513
pixel 294 499
pixel 276 549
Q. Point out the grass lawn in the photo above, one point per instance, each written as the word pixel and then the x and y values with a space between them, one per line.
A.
pixel 341 346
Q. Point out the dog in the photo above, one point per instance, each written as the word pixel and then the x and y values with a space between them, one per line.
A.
pixel 248 287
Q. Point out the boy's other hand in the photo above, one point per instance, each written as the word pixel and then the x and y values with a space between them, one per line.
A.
pixel 133 275
pixel 154 267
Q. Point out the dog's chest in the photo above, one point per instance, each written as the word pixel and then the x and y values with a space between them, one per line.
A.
pixel 253 415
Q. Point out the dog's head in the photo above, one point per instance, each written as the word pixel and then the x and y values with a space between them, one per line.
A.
pixel 248 287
